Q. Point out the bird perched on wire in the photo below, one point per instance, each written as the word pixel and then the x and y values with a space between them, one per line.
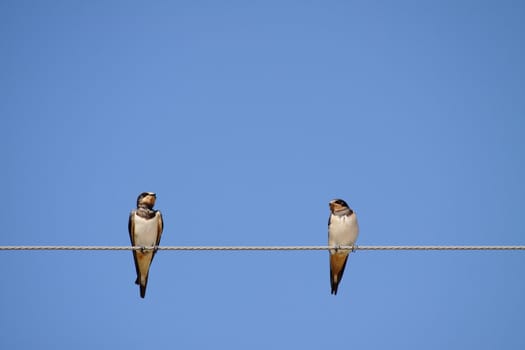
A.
pixel 342 231
pixel 145 227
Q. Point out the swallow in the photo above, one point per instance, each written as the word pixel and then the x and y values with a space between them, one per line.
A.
pixel 145 227
pixel 342 231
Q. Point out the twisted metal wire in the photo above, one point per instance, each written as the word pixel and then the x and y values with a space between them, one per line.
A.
pixel 274 248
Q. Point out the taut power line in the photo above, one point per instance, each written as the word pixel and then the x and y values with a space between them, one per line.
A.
pixel 275 248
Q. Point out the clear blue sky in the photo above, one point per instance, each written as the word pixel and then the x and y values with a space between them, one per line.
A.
pixel 247 117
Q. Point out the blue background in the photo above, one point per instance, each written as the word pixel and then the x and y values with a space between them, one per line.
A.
pixel 246 118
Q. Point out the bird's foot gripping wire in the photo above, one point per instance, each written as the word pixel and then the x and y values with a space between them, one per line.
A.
pixel 338 247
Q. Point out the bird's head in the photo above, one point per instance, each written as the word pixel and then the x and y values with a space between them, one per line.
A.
pixel 146 199
pixel 337 205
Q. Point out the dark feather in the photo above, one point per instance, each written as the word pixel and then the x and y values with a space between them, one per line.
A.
pixel 143 288
pixel 334 282
pixel 131 229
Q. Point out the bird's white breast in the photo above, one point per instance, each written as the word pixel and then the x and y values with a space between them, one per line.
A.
pixel 146 231
pixel 343 230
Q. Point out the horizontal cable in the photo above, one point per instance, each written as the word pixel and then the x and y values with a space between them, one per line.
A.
pixel 388 247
